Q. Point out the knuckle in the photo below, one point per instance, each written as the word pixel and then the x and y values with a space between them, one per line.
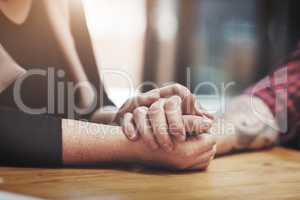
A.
pixel 173 101
pixel 155 92
pixel 136 113
pixel 128 116
pixel 178 86
pixel 161 102
pixel 176 99
pixel 182 88
pixel 161 134
pixel 161 129
pixel 139 111
pixel 144 108
pixel 176 128
pixel 155 107
pixel 152 95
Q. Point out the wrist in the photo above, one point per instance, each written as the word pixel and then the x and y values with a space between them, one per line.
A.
pixel 88 143
pixel 225 134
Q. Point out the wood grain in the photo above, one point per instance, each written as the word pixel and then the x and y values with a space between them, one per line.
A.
pixel 271 174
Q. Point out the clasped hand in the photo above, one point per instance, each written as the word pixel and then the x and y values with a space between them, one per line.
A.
pixel 172 126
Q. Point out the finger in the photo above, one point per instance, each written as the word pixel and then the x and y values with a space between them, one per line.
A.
pixel 207 156
pixel 129 128
pixel 199 111
pixel 145 99
pixel 186 96
pixel 196 124
pixel 206 142
pixel 174 89
pixel 144 127
pixel 174 118
pixel 204 159
pixel 148 98
pixel 190 106
pixel 159 125
pixel 201 143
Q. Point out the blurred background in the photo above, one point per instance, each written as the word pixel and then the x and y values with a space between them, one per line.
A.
pixel 190 41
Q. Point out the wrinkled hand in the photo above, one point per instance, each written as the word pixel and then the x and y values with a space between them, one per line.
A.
pixel 194 154
pixel 163 119
pixel 188 101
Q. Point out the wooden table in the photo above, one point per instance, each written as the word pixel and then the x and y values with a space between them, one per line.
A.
pixel 271 174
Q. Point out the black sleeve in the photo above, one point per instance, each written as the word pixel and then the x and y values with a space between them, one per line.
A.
pixel 30 140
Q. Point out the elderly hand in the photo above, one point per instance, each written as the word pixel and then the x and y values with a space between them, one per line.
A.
pixel 194 154
pixel 164 119
pixel 188 101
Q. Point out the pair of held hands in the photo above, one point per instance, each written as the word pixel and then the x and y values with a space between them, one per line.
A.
pixel 169 121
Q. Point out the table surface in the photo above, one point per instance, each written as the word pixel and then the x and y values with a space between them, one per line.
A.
pixel 270 174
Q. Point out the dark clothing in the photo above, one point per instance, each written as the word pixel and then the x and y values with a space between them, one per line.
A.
pixel 33 46
pixel 36 139
pixel 33 140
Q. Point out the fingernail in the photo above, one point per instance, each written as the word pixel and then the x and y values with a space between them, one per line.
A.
pixel 133 136
pixel 131 133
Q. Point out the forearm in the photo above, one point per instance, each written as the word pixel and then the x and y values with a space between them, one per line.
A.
pixel 247 124
pixel 88 143
pixel 41 140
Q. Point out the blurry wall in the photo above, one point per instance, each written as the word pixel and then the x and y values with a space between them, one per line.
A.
pixel 117 28
pixel 191 41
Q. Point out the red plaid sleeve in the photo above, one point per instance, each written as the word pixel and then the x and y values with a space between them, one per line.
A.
pixel 281 92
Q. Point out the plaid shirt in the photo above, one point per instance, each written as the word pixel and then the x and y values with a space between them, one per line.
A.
pixel 281 92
